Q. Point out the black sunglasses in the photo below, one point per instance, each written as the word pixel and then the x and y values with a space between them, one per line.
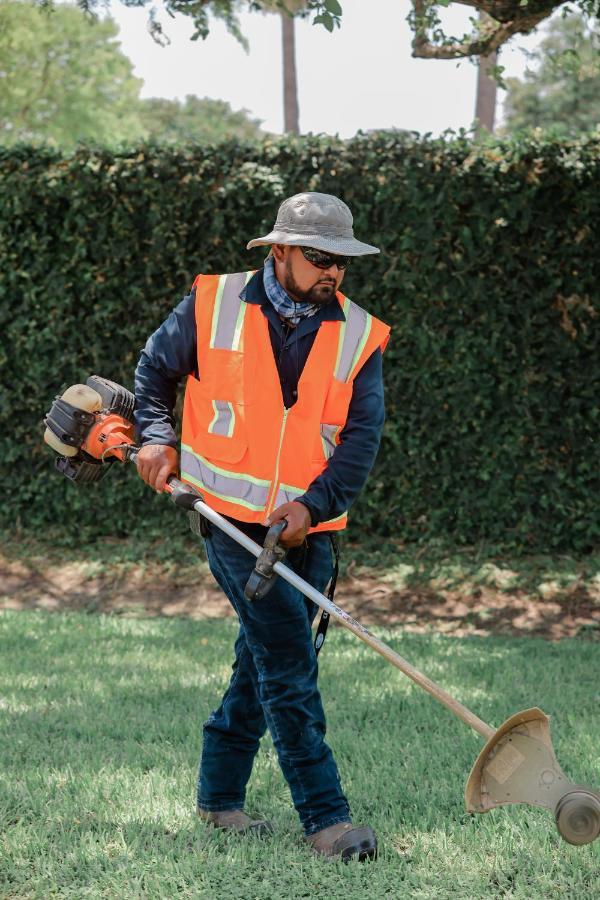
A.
pixel 325 260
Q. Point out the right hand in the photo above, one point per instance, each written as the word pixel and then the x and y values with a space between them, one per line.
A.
pixel 155 462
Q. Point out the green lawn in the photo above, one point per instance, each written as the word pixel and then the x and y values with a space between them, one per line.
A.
pixel 100 722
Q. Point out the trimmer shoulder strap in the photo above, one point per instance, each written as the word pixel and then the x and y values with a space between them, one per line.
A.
pixel 324 620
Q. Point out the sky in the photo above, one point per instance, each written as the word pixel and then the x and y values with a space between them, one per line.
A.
pixel 358 78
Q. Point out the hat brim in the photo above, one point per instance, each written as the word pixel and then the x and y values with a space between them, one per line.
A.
pixel 342 246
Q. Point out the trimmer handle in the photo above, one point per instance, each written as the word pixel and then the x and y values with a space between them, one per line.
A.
pixel 183 495
pixel 263 577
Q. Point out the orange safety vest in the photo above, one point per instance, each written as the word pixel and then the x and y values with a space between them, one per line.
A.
pixel 240 446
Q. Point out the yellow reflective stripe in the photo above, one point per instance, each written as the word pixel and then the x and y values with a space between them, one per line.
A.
pixel 239 322
pixel 237 331
pixel 342 335
pixel 215 417
pixel 361 344
pixel 232 420
pixel 217 309
pixel 238 501
pixel 290 489
pixel 223 421
pixel 259 481
pixel 336 519
pixel 329 434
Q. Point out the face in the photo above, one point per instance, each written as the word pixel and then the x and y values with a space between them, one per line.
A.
pixel 304 282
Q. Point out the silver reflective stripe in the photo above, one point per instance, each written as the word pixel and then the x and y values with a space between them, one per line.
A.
pixel 224 419
pixel 328 436
pixel 228 312
pixel 243 489
pixel 286 494
pixel 353 337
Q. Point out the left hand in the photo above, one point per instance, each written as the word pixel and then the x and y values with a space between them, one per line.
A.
pixel 298 523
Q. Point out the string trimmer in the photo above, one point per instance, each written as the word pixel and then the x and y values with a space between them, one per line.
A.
pixel 90 428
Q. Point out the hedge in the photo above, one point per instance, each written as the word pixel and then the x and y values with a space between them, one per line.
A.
pixel 488 274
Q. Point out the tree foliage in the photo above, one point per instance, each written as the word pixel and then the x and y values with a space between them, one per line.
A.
pixel 504 19
pixel 324 12
pixel 561 93
pixel 63 78
pixel 195 119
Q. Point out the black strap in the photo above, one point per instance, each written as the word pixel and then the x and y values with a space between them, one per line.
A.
pixel 324 620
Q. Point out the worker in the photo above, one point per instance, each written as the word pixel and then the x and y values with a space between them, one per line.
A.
pixel 282 420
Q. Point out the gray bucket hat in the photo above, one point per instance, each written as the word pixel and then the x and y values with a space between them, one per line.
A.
pixel 315 220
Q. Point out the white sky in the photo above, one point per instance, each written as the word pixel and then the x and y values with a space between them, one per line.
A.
pixel 360 77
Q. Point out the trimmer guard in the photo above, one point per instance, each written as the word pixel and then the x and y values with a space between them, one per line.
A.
pixel 518 765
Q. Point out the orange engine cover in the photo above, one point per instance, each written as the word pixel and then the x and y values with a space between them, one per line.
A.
pixel 110 435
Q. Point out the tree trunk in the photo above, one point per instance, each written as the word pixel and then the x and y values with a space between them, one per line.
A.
pixel 290 83
pixel 485 104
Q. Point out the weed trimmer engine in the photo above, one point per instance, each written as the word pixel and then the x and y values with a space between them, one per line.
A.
pixel 90 426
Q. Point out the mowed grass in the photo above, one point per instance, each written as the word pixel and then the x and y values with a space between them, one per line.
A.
pixel 100 722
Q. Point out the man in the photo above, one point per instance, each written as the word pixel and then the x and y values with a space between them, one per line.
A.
pixel 282 420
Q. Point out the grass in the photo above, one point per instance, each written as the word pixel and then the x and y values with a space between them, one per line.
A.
pixel 100 721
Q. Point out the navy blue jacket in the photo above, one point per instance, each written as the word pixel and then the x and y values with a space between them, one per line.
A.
pixel 170 354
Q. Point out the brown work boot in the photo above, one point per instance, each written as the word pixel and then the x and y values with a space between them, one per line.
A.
pixel 345 842
pixel 235 820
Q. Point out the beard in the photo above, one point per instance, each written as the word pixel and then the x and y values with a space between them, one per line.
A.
pixel 322 291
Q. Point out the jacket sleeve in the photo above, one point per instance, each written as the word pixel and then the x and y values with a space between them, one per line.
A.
pixel 169 355
pixel 336 488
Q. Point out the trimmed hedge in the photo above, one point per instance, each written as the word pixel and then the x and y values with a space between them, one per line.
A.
pixel 488 274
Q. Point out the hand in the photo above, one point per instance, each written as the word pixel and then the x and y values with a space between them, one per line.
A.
pixel 155 462
pixel 298 523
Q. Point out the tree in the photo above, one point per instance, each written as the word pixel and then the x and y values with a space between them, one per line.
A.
pixel 288 10
pixel 291 109
pixel 502 20
pixel 173 122
pixel 63 78
pixel 487 89
pixel 505 18
pixel 562 93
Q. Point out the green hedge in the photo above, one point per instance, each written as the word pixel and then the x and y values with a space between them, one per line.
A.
pixel 488 274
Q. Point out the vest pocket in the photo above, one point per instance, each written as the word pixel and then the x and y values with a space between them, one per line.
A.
pixel 213 425
pixel 337 402
pixel 334 416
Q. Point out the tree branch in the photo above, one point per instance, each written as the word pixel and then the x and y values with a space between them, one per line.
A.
pixel 509 18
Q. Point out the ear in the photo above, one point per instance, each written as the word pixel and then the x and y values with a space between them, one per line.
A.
pixel 278 251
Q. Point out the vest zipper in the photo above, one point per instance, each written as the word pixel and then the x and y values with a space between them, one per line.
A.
pixel 273 497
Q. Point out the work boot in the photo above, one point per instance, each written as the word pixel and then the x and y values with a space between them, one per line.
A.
pixel 235 820
pixel 345 842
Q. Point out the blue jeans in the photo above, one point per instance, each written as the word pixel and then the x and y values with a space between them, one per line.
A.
pixel 274 685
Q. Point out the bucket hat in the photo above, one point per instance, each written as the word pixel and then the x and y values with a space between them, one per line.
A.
pixel 315 220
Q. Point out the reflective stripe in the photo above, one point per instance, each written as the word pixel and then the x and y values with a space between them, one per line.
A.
pixel 287 494
pixel 354 334
pixel 336 519
pixel 228 312
pixel 329 434
pixel 224 419
pixel 243 489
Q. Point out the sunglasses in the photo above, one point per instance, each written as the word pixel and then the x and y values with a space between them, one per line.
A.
pixel 325 260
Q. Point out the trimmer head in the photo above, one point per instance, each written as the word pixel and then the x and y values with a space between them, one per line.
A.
pixel 518 765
